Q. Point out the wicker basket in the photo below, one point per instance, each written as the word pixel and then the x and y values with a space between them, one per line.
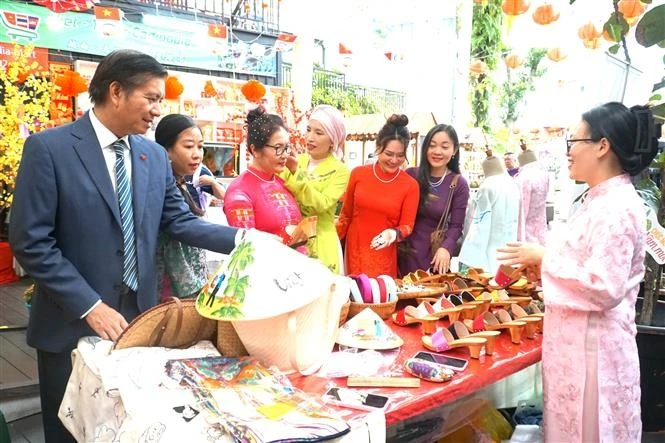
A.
pixel 384 310
pixel 344 313
pixel 228 342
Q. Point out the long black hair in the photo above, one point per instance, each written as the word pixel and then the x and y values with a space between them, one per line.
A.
pixel 167 132
pixel 425 170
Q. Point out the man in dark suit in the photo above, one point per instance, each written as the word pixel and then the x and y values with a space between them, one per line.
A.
pixel 90 199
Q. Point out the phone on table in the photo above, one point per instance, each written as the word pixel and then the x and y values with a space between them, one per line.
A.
pixel 354 399
pixel 454 363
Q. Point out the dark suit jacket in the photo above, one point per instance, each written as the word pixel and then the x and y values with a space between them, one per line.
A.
pixel 65 228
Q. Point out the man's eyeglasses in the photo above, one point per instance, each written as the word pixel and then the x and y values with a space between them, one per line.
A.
pixel 571 141
pixel 280 150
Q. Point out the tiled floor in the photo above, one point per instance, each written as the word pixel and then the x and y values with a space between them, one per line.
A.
pixel 27 430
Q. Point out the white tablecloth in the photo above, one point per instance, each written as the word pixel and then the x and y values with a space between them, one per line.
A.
pixel 103 401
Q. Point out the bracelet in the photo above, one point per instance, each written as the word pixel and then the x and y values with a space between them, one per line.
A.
pixel 383 290
pixel 365 287
pixel 355 291
pixel 376 291
pixel 391 287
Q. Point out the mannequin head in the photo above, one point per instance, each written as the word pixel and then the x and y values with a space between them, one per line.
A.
pixel 493 166
pixel 527 155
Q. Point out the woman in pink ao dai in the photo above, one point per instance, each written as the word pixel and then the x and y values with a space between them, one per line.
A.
pixel 590 276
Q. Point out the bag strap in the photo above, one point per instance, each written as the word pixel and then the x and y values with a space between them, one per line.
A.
pixel 158 333
pixel 446 211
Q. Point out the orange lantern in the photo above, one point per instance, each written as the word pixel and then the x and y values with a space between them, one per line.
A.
pixel 478 67
pixel 631 8
pixel 545 14
pixel 209 89
pixel 513 61
pixel 173 88
pixel 593 43
pixel 588 32
pixel 556 54
pixel 253 90
pixel 248 8
pixel 515 7
pixel 71 83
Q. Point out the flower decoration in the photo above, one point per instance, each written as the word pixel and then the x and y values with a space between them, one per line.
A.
pixel 253 91
pixel 173 88
pixel 24 107
pixel 71 83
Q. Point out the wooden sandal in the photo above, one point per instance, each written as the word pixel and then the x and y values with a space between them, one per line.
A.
pixel 459 330
pixel 468 311
pixel 410 315
pixel 442 340
pixel 518 313
pixel 499 320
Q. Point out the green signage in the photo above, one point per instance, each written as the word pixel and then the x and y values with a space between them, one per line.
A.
pixel 171 41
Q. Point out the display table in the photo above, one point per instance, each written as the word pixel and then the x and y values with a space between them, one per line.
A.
pixel 87 412
pixel 508 358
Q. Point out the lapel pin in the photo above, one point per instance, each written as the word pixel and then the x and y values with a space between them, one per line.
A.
pixel 143 156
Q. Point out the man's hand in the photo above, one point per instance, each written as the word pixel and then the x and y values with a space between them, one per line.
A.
pixel 106 322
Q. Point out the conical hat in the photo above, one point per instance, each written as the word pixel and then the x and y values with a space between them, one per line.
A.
pixel 368 331
pixel 262 278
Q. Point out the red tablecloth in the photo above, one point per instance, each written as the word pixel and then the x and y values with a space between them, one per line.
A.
pixel 507 359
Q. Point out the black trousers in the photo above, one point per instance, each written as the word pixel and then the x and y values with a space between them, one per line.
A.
pixel 54 371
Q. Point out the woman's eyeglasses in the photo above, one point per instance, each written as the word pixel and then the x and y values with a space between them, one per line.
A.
pixel 571 141
pixel 280 150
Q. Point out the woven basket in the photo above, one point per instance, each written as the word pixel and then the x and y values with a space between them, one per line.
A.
pixel 344 313
pixel 228 342
pixel 174 324
pixel 384 310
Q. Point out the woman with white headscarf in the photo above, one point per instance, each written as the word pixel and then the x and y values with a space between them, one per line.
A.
pixel 318 179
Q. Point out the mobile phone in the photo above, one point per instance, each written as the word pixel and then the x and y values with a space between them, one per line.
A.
pixel 454 363
pixel 354 399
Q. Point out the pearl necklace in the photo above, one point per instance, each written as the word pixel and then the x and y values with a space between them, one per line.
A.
pixel 384 181
pixel 259 177
pixel 437 183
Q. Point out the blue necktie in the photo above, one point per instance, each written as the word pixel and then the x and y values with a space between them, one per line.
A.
pixel 124 190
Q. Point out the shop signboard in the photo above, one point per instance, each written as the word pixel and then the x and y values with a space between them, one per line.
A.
pixel 171 41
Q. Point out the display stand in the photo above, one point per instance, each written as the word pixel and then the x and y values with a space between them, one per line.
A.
pixel 414 414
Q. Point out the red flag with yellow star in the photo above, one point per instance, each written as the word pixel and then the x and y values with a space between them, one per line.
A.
pixel 108 21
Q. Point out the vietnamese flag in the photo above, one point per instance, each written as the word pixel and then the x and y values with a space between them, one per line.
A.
pixel 284 42
pixel 217 31
pixel 344 50
pixel 108 21
pixel 219 36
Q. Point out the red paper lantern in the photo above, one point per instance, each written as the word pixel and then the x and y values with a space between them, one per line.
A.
pixel 173 88
pixel 253 91
pixel 71 83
